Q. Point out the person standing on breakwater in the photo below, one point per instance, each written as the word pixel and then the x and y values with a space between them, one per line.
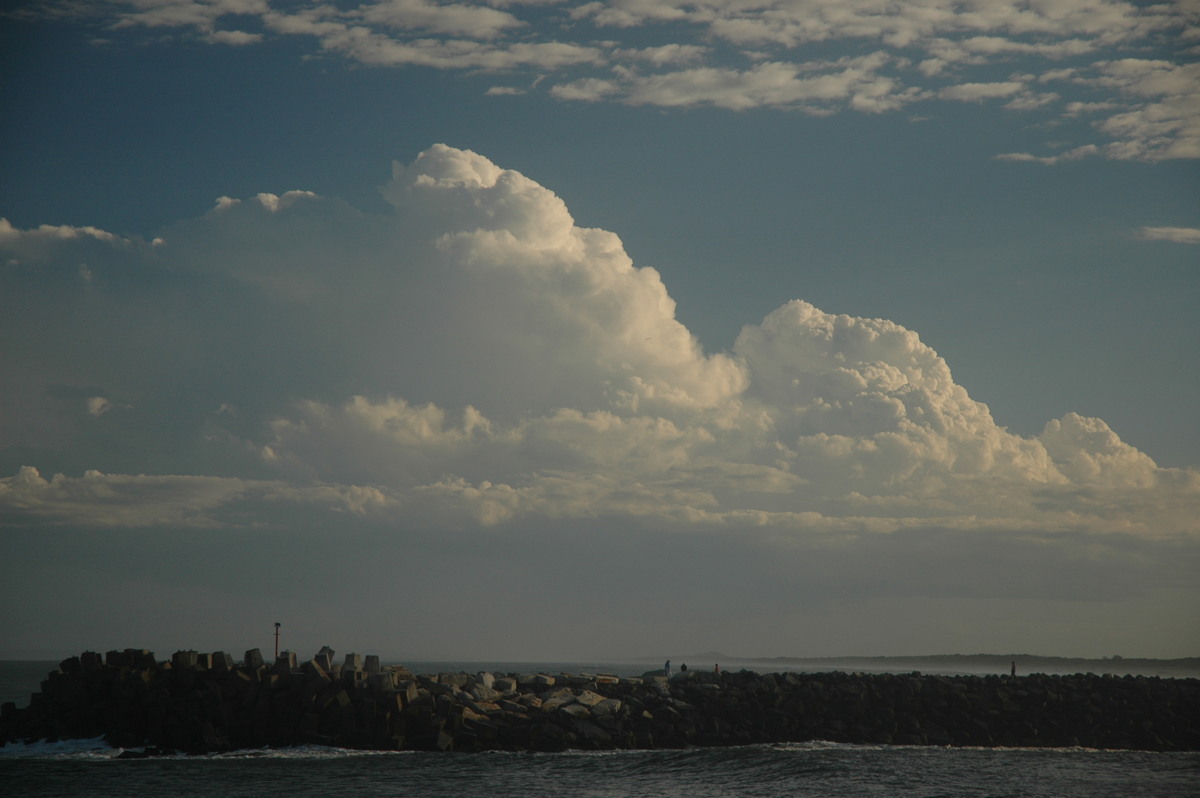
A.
pixel 667 669
pixel 683 667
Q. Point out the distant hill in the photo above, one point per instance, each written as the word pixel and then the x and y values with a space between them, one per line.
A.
pixel 1187 667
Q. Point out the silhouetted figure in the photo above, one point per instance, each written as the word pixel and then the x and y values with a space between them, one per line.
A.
pixel 717 668
pixel 1014 668
pixel 683 667
pixel 667 669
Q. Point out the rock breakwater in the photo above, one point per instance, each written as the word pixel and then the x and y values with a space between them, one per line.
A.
pixel 207 703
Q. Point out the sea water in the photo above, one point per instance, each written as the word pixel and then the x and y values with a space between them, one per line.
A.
pixel 90 768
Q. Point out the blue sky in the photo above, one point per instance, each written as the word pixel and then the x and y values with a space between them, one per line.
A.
pixel 831 328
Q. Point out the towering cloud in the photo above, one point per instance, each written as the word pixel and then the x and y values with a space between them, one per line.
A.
pixel 475 357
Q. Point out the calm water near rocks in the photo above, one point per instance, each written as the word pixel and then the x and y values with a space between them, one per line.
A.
pixel 89 768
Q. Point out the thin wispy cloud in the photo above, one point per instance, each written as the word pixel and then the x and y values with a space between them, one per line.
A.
pixel 1180 235
pixel 1125 66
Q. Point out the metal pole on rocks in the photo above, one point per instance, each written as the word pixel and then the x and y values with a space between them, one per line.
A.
pixel 277 640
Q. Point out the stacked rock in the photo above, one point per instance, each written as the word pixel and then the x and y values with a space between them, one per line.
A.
pixel 204 703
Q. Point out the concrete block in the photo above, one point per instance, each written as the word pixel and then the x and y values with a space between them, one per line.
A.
pixel 314 669
pixel 459 680
pixel 354 662
pixel 372 663
pixel 588 698
pixel 484 693
pixel 558 701
pixel 285 663
pixel 184 660
pixel 408 689
pixel 575 710
pixel 608 706
pixel 253 659
pixel 222 662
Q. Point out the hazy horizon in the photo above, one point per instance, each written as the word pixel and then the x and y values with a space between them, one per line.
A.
pixel 699 657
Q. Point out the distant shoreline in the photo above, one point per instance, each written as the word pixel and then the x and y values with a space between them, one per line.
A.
pixel 1185 667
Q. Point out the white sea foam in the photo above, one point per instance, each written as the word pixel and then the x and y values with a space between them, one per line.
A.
pixel 304 752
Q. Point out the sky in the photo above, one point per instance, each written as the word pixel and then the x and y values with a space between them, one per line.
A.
pixel 559 331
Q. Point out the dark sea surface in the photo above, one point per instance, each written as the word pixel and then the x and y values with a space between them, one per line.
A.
pixel 90 768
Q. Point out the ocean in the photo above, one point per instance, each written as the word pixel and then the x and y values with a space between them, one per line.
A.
pixel 90 768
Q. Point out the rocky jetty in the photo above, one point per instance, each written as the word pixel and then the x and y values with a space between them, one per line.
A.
pixel 204 703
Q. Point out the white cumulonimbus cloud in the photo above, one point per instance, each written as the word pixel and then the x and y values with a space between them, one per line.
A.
pixel 475 359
